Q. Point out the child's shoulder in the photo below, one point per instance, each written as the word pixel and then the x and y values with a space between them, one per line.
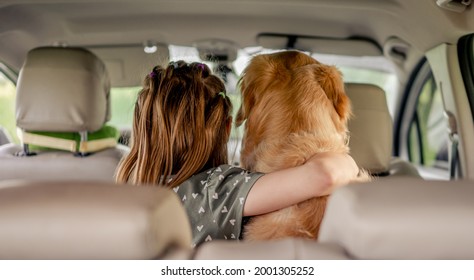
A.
pixel 223 181
pixel 226 170
pixel 221 175
pixel 230 175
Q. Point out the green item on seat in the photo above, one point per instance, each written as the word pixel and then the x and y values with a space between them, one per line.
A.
pixel 106 131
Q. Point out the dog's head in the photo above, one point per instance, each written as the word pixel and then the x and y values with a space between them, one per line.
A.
pixel 291 92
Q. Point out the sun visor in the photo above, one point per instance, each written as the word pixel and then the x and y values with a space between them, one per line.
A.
pixel 322 45
pixel 128 65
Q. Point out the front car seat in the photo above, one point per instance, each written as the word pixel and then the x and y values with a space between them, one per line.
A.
pixel 371 133
pixel 62 105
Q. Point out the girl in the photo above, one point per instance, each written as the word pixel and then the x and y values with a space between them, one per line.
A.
pixel 181 126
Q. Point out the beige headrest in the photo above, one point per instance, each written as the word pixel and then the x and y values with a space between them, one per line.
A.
pixel 402 218
pixel 370 127
pixel 89 220
pixel 62 89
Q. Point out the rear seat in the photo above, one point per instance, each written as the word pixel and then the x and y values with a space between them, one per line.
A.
pixel 371 133
pixel 62 94
pixel 396 218
pixel 91 220
pixel 402 218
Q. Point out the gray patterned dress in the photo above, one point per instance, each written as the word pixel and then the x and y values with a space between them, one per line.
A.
pixel 214 201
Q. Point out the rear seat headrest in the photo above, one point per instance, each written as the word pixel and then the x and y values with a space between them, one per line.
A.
pixel 402 218
pixel 370 128
pixel 62 90
pixel 90 220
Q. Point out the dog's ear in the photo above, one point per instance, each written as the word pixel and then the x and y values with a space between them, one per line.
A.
pixel 257 76
pixel 330 79
pixel 240 117
pixel 242 113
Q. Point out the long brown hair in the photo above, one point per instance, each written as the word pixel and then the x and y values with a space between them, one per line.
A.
pixel 179 126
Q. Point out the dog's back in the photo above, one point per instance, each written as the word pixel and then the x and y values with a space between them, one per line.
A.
pixel 294 107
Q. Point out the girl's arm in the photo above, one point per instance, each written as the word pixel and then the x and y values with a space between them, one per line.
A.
pixel 319 176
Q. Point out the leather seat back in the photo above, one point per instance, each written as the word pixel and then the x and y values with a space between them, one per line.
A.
pixel 62 103
pixel 91 220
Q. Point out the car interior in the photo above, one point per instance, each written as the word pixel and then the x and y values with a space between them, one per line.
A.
pixel 70 72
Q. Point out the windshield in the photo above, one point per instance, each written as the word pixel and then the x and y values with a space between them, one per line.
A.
pixel 368 69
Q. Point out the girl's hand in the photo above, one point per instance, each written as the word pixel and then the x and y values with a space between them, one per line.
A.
pixel 335 170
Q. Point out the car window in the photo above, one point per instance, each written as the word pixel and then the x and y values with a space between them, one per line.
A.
pixel 122 103
pixel 428 136
pixel 376 70
pixel 7 106
pixel 421 127
pixel 371 69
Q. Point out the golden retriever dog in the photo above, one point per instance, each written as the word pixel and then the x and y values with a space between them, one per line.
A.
pixel 293 107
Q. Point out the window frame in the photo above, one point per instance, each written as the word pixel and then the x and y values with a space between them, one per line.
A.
pixel 466 65
pixel 407 116
pixel 9 73
pixel 11 76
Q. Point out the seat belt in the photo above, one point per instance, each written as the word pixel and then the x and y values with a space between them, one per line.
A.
pixel 454 160
pixel 454 168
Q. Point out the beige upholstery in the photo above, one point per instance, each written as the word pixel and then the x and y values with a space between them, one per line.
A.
pixel 285 249
pixel 61 90
pixel 73 220
pixel 371 137
pixel 59 165
pixel 402 218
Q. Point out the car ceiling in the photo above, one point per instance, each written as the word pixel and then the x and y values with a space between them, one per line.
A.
pixel 420 24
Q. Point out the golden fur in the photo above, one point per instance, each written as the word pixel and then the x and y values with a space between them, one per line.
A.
pixel 294 107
